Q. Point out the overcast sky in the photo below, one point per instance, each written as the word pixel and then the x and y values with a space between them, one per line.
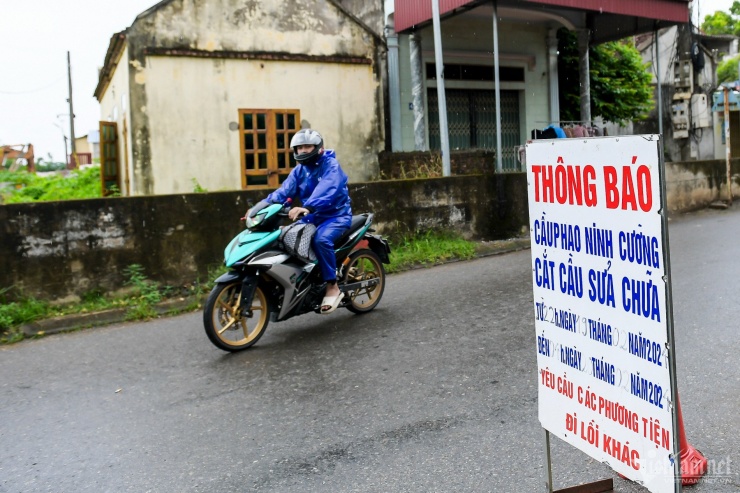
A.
pixel 34 40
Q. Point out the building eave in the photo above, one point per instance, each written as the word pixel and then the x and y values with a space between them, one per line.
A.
pixel 256 55
pixel 631 16
pixel 116 48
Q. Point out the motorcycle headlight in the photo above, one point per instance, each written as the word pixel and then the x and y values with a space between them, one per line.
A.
pixel 254 221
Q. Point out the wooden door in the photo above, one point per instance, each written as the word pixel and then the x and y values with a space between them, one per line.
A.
pixel 110 178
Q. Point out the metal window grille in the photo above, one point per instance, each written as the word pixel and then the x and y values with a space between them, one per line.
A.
pixel 471 117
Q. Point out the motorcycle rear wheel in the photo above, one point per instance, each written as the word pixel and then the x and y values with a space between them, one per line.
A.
pixel 227 324
pixel 364 265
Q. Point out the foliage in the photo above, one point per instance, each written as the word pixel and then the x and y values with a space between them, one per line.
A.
pixel 27 187
pixel 214 272
pixel 621 88
pixel 140 304
pixel 727 70
pixel 722 22
pixel 17 313
pixel 419 168
pixel 428 248
pixel 197 188
pixel 43 165
pixel 424 168
pixel 147 293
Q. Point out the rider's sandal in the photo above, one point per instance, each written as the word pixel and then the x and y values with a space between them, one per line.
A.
pixel 332 302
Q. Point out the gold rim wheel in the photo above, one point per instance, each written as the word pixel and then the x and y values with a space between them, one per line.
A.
pixel 363 266
pixel 234 326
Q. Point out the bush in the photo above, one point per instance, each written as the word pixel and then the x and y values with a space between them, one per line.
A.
pixel 727 70
pixel 78 184
pixel 17 313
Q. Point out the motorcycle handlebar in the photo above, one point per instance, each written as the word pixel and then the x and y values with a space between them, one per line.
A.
pixel 283 213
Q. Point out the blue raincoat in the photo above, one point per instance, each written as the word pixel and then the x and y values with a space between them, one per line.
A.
pixel 323 190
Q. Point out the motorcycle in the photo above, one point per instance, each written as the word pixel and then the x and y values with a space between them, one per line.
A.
pixel 266 284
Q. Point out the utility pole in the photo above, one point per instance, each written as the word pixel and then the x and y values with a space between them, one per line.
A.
pixel 656 39
pixel 444 135
pixel 497 81
pixel 72 163
pixel 728 147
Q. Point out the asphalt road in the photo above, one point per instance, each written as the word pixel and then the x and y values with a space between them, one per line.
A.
pixel 434 391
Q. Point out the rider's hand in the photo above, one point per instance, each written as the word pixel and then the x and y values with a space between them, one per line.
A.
pixel 297 212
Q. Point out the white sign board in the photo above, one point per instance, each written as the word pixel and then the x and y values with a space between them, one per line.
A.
pixel 600 308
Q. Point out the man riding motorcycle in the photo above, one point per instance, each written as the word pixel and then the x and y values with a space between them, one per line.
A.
pixel 321 184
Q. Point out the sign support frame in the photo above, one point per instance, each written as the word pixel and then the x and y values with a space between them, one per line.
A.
pixel 669 320
pixel 600 486
pixel 606 485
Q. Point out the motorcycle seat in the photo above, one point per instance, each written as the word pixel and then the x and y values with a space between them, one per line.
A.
pixel 357 222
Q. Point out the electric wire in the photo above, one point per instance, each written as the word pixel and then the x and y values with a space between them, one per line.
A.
pixel 31 91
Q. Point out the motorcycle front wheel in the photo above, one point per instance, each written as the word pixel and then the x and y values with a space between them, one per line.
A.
pixel 364 265
pixel 230 326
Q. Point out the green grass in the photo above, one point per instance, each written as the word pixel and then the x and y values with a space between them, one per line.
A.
pixel 427 249
pixel 27 309
pixel 27 187
pixel 139 302
pixel 12 315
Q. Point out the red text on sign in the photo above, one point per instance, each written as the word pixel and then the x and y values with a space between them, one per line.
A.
pixel 561 184
pixel 629 192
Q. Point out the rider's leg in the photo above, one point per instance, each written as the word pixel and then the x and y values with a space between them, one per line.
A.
pixel 323 246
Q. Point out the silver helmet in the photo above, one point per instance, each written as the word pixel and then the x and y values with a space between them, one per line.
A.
pixel 310 137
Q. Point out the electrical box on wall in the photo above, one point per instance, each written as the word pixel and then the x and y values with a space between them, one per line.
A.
pixel 700 115
pixel 683 76
pixel 680 118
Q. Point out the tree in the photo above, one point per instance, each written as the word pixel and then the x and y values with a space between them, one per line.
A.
pixel 721 22
pixel 727 70
pixel 621 87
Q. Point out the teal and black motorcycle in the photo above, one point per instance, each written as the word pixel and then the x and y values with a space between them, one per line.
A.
pixel 268 283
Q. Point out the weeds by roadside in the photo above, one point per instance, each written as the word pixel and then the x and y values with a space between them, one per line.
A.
pixel 13 315
pixel 428 248
pixel 147 293
pixel 139 303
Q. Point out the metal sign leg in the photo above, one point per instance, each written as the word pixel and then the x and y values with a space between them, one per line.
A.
pixel 548 464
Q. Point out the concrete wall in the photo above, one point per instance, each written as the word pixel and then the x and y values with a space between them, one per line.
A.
pixel 693 185
pixel 369 12
pixel 59 249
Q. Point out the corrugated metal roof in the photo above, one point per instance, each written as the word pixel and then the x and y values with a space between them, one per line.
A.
pixel 664 10
pixel 409 13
